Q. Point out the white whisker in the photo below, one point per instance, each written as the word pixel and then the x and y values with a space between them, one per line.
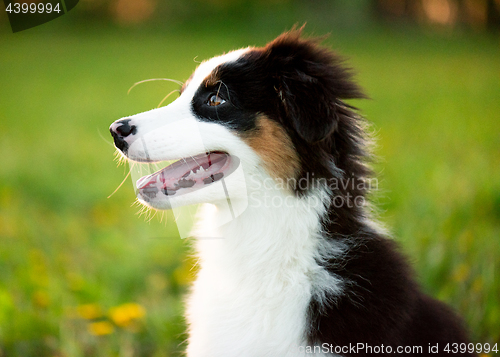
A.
pixel 155 79
pixel 120 185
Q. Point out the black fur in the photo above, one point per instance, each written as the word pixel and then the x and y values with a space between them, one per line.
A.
pixel 302 85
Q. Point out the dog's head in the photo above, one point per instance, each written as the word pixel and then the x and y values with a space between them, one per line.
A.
pixel 272 113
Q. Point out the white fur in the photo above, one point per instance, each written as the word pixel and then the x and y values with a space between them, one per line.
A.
pixel 254 286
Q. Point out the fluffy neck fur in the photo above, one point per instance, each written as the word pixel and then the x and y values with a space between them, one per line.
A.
pixel 256 281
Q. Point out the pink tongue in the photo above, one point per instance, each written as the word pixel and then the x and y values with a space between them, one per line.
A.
pixel 185 173
pixel 147 180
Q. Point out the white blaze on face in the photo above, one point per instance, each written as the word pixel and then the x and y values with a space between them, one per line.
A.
pixel 206 68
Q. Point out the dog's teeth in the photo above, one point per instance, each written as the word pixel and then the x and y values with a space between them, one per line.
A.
pixel 168 191
pixel 185 183
pixel 218 176
pixel 213 178
pixel 149 192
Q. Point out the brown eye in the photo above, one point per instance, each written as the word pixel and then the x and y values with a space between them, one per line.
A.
pixel 215 100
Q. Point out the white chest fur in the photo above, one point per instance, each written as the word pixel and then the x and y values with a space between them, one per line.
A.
pixel 255 283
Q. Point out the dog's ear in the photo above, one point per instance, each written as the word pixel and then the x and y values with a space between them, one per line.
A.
pixel 310 81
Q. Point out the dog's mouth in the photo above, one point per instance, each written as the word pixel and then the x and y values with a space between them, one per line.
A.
pixel 187 175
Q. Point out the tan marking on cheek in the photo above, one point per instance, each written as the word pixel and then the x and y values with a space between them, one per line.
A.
pixel 275 148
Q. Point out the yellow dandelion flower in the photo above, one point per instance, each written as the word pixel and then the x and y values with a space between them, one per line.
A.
pixel 89 311
pixel 100 328
pixel 123 315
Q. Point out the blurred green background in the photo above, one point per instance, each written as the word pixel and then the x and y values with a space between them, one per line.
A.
pixel 83 275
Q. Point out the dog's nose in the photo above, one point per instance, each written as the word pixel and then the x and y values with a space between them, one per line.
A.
pixel 120 130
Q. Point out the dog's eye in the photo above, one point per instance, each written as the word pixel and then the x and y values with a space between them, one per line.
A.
pixel 215 100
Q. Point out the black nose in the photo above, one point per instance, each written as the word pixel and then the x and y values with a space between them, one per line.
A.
pixel 120 130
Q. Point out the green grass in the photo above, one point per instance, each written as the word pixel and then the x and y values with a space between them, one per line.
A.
pixel 66 248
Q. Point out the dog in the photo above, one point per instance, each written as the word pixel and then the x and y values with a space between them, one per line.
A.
pixel 302 269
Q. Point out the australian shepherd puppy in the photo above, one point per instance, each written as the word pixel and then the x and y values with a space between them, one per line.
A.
pixel 300 267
